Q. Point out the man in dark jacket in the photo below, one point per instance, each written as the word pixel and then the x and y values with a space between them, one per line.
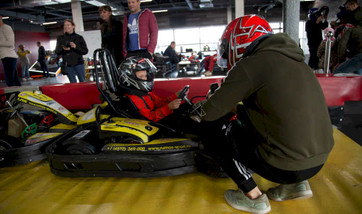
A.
pixel 42 59
pixel 314 26
pixel 171 53
pixel 173 56
pixel 140 31
pixel 285 134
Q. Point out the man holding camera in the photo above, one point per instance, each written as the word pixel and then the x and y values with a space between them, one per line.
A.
pixel 314 26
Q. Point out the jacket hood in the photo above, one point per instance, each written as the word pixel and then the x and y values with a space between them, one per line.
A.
pixel 283 44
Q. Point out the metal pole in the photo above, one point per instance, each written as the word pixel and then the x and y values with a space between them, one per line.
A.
pixel 327 55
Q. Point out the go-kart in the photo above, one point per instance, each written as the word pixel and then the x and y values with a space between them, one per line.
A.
pixel 25 130
pixel 113 139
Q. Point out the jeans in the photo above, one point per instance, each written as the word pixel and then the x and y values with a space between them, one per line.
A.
pixel 44 67
pixel 78 70
pixel 11 74
pixel 25 71
pixel 353 65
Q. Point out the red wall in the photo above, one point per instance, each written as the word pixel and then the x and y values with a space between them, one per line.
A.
pixel 28 39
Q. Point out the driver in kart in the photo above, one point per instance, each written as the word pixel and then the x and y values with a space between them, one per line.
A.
pixel 137 75
pixel 285 134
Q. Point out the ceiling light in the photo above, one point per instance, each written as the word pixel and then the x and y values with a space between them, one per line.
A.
pixel 49 23
pixel 159 11
pixel 96 3
pixel 5 17
pixel 142 1
pixel 206 5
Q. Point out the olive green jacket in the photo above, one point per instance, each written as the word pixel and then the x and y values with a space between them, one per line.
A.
pixel 284 101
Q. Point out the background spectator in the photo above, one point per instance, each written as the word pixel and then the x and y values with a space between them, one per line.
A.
pixel 356 12
pixel 71 47
pixel 209 64
pixel 140 31
pixel 314 26
pixel 42 59
pixel 8 55
pixel 350 48
pixel 173 56
pixel 111 33
pixel 24 62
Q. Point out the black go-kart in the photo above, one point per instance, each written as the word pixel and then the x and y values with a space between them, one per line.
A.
pixel 29 121
pixel 114 140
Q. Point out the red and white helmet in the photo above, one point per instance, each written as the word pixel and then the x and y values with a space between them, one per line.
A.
pixel 238 35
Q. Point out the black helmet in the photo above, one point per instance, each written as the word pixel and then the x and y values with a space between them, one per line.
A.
pixel 128 78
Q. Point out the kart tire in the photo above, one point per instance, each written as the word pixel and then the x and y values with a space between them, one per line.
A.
pixel 80 148
pixel 4 145
pixel 9 142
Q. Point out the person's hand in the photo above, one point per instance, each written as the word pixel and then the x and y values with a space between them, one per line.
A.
pixel 72 45
pixel 174 104
pixel 178 93
pixel 319 19
pixel 336 66
pixel 66 48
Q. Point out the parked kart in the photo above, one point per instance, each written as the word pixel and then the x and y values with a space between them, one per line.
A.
pixel 113 139
pixel 24 133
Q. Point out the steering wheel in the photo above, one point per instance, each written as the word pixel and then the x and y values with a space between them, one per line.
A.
pixel 182 94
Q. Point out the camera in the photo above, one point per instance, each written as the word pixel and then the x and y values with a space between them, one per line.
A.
pixel 323 11
pixel 67 44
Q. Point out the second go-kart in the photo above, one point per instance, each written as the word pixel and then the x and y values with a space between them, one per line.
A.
pixel 26 130
pixel 113 139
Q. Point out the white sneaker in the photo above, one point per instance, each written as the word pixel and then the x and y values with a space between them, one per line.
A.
pixel 238 200
pixel 295 191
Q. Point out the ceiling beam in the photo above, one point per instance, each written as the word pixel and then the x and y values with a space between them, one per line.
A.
pixel 189 4
pixel 39 19
pixel 119 8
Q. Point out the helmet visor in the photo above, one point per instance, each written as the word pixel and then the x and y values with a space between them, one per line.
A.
pixel 222 53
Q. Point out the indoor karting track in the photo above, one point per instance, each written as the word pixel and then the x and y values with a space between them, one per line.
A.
pixel 34 189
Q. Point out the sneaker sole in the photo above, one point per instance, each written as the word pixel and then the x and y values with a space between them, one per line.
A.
pixel 296 196
pixel 245 208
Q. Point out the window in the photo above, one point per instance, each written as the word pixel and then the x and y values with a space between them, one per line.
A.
pixel 190 38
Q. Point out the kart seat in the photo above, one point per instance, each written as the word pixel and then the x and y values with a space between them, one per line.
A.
pixel 126 105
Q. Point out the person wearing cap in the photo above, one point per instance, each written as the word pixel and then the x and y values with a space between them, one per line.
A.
pixel 24 61
pixel 314 26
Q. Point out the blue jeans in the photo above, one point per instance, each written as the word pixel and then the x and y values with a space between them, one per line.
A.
pixel 25 71
pixel 78 70
pixel 353 65
pixel 11 74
